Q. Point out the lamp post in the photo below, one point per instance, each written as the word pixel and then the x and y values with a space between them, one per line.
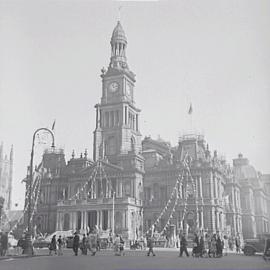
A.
pixel 113 226
pixel 28 243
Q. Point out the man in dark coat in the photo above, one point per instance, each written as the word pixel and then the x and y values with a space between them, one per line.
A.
pixel 52 246
pixel 76 241
pixel 183 246
pixel 4 244
pixel 219 247
pixel 150 245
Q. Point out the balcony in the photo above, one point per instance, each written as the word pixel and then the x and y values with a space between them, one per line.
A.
pixel 99 201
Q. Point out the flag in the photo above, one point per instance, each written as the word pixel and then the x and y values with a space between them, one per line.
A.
pixel 190 109
pixel 53 125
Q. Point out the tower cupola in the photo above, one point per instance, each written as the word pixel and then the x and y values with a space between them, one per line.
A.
pixel 118 47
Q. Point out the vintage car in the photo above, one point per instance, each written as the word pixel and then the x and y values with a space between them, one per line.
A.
pixel 41 242
pixel 256 245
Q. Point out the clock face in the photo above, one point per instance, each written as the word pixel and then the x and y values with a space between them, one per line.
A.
pixel 113 87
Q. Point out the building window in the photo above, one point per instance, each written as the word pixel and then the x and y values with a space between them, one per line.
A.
pixel 107 119
pixel 163 195
pixel 66 222
pixel 110 146
pixel 127 188
pixel 206 188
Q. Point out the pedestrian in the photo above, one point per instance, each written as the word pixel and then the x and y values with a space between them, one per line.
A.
pixel 237 244
pixel 76 242
pixel 230 241
pixel 150 245
pixel 213 247
pixel 20 245
pixel 93 242
pixel 117 245
pixel 98 242
pixel 183 246
pixel 84 245
pixel 225 244
pixel 0 244
pixel 52 246
pixel 195 250
pixel 219 247
pixel 60 246
pixel 4 244
pixel 121 246
pixel 202 247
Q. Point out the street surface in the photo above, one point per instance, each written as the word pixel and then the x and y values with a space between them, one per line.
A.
pixel 105 260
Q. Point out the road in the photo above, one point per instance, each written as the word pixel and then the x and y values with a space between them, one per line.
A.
pixel 105 260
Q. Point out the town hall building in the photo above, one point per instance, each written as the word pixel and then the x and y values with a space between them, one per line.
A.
pixel 133 185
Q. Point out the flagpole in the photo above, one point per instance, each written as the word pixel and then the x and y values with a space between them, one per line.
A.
pixel 190 111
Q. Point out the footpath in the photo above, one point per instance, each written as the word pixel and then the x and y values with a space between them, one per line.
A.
pixel 14 254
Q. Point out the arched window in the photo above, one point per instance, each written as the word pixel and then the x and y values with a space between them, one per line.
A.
pixel 132 144
pixel 118 221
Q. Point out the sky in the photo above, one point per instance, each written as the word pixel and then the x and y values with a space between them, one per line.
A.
pixel 213 54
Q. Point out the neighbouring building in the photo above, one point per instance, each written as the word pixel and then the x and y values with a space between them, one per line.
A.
pixel 6 175
pixel 255 197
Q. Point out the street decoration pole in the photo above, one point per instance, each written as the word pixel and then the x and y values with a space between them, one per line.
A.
pixel 28 243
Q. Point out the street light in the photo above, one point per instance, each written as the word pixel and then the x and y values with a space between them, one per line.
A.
pixel 28 243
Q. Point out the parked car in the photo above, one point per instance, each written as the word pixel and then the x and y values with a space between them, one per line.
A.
pixel 41 243
pixel 252 246
pixel 12 242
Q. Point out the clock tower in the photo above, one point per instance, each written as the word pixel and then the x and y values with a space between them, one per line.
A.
pixel 117 139
pixel 117 118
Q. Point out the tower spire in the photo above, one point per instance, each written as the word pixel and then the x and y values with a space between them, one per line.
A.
pixel 119 13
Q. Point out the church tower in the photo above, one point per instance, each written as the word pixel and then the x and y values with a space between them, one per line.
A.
pixel 117 118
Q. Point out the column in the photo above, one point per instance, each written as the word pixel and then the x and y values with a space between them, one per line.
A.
pixel 217 221
pixel 74 214
pixel 124 219
pixel 82 220
pixel 120 188
pixel 57 221
pixel 125 107
pixel 202 223
pixel 101 218
pixel 109 219
pixel 86 220
pixel 97 117
pixel 137 122
pixel 98 223
pixel 70 221
pixel 200 183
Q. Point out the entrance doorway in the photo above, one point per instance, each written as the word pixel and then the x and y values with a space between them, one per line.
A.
pixel 92 219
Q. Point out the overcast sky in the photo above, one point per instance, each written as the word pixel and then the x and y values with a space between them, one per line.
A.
pixel 214 54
